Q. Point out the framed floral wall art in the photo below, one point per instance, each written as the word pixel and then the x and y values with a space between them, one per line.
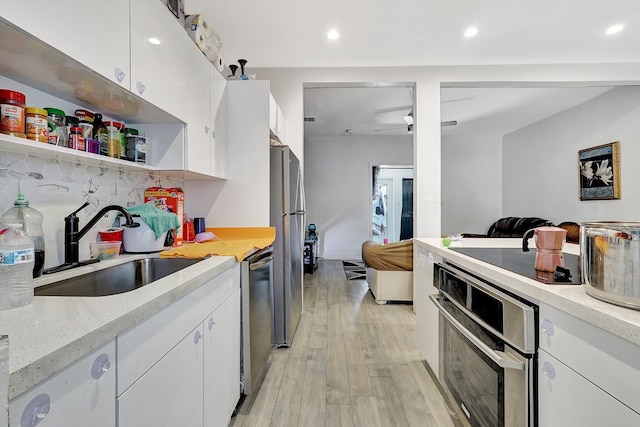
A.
pixel 600 172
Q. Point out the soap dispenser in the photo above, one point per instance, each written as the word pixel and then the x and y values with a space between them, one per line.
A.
pixel 31 221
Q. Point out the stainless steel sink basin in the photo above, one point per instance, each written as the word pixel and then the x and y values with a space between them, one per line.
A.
pixel 117 279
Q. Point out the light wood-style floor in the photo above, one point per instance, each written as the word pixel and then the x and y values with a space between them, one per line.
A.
pixel 352 363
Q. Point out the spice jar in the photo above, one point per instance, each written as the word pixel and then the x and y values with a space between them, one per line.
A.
pixel 76 139
pixel 116 137
pixel 86 122
pixel 136 146
pixel 57 127
pixel 37 124
pixel 12 113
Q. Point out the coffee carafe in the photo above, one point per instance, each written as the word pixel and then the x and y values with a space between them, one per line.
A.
pixel 549 242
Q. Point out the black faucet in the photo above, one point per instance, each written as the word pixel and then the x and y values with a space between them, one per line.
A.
pixel 72 236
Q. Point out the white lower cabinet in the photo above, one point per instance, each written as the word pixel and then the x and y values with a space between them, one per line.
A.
pixel 222 362
pixel 586 376
pixel 170 393
pixel 181 366
pixel 80 395
pixel 567 399
pixel 427 318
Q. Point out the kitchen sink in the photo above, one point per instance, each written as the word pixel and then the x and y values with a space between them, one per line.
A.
pixel 117 279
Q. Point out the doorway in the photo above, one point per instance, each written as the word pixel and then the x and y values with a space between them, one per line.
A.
pixel 391 203
pixel 347 129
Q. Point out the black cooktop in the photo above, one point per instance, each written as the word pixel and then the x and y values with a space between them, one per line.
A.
pixel 516 261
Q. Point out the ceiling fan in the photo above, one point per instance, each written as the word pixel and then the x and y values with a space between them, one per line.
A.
pixel 409 119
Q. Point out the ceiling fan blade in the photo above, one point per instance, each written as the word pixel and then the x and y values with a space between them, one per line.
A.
pixel 393 110
pixel 393 128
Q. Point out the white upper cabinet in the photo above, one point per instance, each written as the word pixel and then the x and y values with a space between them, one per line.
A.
pixel 219 125
pixel 160 53
pixel 276 119
pixel 198 143
pixel 80 30
pixel 131 61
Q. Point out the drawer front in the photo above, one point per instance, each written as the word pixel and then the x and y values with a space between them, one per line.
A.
pixel 567 399
pixel 82 394
pixel 142 346
pixel 425 259
pixel 608 361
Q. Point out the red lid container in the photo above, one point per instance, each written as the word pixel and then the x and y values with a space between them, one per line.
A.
pixel 117 125
pixel 84 115
pixel 12 95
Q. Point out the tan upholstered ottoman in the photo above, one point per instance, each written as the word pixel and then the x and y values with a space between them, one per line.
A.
pixel 390 285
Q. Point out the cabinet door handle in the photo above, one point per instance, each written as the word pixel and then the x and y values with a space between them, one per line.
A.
pixel 100 366
pixel 549 371
pixel 36 410
pixel 196 337
pixel 212 323
pixel 547 327
pixel 119 75
pixel 141 87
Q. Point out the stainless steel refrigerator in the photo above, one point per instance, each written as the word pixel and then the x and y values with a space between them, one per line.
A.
pixel 288 217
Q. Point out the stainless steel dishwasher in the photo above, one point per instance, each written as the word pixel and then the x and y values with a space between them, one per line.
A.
pixel 256 282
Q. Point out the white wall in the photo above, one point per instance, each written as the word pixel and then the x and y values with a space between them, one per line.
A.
pixel 337 179
pixel 540 170
pixel 471 183
pixel 287 87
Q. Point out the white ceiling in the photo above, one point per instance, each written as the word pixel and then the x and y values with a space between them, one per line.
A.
pixel 357 111
pixel 498 111
pixel 292 33
pixel 379 111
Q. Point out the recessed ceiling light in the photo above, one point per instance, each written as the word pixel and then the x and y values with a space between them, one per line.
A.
pixel 471 32
pixel 333 34
pixel 154 40
pixel 614 29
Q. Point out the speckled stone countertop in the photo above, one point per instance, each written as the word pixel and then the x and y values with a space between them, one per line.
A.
pixel 52 332
pixel 572 299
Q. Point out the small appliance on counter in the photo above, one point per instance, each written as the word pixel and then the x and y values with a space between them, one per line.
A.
pixel 156 230
pixel 549 242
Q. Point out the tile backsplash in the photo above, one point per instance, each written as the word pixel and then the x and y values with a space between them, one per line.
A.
pixel 56 188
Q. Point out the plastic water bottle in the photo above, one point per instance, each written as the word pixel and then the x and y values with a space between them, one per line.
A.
pixel 31 221
pixel 16 268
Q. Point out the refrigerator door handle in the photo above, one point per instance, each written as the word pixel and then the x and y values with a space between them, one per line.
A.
pixel 302 194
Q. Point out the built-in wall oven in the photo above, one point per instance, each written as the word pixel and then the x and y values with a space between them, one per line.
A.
pixel 487 349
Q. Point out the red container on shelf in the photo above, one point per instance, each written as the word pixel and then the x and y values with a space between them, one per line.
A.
pixel 12 113
pixel 76 139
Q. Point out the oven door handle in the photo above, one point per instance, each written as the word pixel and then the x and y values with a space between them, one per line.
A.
pixel 499 357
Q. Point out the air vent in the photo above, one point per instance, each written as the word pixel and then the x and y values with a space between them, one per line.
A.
pixel 309 119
